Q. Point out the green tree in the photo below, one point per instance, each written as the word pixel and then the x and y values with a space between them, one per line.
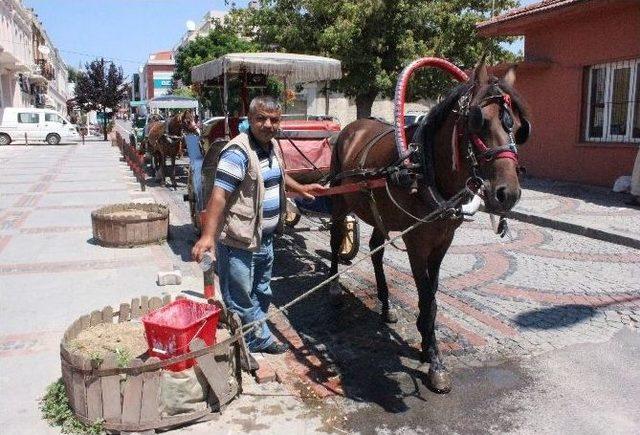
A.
pixel 183 91
pixel 376 39
pixel 99 87
pixel 225 37
pixel 72 74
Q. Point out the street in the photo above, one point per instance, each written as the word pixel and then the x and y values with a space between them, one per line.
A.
pixel 540 329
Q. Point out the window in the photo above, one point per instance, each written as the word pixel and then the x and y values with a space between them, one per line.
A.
pixel 613 102
pixel 52 117
pixel 28 118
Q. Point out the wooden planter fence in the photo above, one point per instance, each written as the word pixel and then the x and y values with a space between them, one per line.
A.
pixel 94 387
pixel 133 157
pixel 115 230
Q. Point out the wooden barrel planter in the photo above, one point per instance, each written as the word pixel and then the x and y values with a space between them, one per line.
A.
pixel 126 398
pixel 130 224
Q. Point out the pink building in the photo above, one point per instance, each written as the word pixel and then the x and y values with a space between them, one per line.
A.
pixel 581 78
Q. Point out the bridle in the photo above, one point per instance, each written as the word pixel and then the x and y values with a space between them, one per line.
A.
pixel 471 124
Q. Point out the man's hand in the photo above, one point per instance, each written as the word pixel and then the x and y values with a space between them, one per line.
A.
pixel 203 245
pixel 308 190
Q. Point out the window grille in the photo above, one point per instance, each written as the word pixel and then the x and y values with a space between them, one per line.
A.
pixel 613 102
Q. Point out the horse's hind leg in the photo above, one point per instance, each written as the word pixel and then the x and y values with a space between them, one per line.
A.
pixel 388 314
pixel 338 215
pixel 163 169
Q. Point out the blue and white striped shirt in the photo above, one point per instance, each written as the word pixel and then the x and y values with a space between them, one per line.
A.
pixel 232 168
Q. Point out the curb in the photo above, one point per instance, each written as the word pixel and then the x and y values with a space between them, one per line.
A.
pixel 580 230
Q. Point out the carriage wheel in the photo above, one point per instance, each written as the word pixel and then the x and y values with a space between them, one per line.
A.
pixel 191 197
pixel 291 218
pixel 351 241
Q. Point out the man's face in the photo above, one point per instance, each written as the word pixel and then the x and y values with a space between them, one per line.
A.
pixel 264 124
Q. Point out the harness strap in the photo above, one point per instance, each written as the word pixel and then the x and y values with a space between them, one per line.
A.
pixel 373 206
pixel 367 148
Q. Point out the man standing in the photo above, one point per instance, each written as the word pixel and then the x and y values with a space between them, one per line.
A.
pixel 244 211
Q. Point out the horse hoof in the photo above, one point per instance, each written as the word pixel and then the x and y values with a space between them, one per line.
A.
pixel 439 381
pixel 389 315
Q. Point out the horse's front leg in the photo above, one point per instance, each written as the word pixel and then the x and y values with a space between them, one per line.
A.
pixel 425 267
pixel 388 314
pixel 173 172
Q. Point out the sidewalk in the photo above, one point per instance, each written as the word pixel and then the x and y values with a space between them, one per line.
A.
pixel 590 211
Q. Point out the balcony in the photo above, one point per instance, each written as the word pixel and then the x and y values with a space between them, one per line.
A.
pixel 44 69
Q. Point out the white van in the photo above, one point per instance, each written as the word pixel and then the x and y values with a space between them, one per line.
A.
pixel 36 125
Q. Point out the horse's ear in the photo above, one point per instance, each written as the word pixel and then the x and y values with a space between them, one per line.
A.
pixel 480 74
pixel 510 76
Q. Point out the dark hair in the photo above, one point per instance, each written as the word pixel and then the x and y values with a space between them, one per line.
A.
pixel 264 102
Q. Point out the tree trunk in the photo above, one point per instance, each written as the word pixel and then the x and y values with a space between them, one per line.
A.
pixel 104 121
pixel 364 103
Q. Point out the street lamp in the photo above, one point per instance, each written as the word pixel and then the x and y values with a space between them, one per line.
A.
pixel 191 26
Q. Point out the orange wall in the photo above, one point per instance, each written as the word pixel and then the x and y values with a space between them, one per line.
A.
pixel 555 95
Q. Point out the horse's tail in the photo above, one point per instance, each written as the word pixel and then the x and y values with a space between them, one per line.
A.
pixel 336 166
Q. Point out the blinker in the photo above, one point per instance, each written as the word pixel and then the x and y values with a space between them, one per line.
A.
pixel 522 135
pixel 506 119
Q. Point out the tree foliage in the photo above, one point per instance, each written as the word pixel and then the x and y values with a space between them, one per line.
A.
pixel 375 39
pixel 72 74
pixel 100 87
pixel 222 39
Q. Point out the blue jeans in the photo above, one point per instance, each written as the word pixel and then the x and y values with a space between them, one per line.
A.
pixel 245 285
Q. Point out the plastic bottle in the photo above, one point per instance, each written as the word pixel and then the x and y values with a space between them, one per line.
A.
pixel 206 262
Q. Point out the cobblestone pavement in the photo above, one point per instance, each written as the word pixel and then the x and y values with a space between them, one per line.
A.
pixel 581 209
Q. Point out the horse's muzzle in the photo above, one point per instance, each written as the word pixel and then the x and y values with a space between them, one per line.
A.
pixel 501 197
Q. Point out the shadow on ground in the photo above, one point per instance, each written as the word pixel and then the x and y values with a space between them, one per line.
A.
pixel 554 317
pixel 181 240
pixel 349 340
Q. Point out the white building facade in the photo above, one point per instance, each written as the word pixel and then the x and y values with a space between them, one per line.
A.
pixel 32 72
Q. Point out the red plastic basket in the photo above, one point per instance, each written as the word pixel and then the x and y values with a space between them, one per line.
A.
pixel 173 327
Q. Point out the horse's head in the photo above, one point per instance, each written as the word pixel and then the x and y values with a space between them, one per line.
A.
pixel 494 123
pixel 188 123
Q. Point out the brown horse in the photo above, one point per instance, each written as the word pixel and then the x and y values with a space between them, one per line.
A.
pixel 165 140
pixel 473 131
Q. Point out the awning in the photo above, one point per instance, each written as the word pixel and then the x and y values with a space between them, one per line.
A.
pixel 173 102
pixel 297 68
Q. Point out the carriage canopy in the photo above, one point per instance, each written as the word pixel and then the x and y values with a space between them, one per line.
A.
pixel 173 102
pixel 297 68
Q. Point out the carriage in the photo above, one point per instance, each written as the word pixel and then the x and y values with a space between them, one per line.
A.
pixel 304 140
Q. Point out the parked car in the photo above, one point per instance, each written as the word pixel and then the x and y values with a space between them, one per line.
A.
pixel 35 125
pixel 414 117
